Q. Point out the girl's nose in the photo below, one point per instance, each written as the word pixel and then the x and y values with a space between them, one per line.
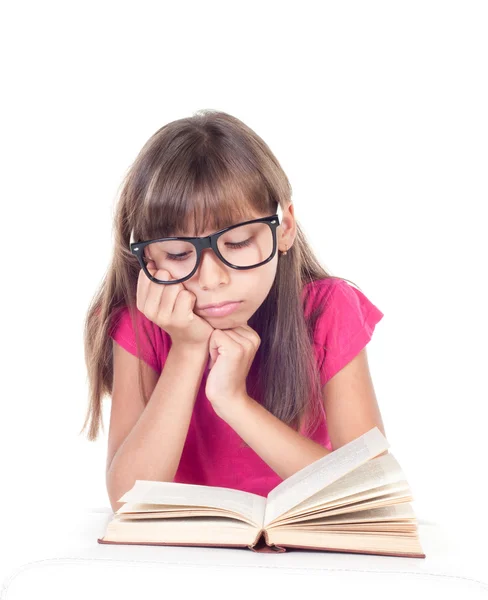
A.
pixel 211 270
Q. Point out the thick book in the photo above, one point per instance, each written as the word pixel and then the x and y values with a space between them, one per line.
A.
pixel 355 499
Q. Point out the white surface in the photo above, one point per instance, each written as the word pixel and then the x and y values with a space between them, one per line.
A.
pixel 71 564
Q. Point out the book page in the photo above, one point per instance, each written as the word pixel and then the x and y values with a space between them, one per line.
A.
pixel 389 514
pixel 322 472
pixel 375 473
pixel 158 511
pixel 182 531
pixel 247 504
pixel 359 503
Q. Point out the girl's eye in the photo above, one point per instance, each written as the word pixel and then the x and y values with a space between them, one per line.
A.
pixel 240 244
pixel 177 256
pixel 233 245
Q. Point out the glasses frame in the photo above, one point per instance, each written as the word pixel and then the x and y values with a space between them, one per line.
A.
pixel 201 243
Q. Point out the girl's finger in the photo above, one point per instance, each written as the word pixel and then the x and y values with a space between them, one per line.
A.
pixel 242 340
pixel 142 288
pixel 155 291
pixel 161 298
pixel 184 307
pixel 245 333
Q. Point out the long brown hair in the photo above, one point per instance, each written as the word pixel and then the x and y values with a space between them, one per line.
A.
pixel 210 167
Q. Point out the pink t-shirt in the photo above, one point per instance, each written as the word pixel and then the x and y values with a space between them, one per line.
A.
pixel 213 453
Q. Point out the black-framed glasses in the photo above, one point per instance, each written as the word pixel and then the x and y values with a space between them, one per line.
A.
pixel 245 245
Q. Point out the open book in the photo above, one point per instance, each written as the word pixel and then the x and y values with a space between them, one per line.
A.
pixel 351 500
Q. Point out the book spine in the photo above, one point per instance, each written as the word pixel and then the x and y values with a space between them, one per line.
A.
pixel 261 544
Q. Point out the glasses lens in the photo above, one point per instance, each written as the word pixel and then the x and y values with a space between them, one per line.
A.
pixel 243 246
pixel 246 245
pixel 174 256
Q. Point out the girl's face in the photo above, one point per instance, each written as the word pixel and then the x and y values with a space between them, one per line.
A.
pixel 214 282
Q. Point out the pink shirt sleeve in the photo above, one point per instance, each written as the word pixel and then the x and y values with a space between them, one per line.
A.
pixel 152 346
pixel 345 326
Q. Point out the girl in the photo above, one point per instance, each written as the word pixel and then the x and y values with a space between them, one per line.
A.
pixel 245 395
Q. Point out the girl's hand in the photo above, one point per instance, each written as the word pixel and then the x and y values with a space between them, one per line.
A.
pixel 232 353
pixel 171 308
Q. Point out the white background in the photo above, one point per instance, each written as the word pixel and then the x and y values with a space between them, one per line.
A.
pixel 377 113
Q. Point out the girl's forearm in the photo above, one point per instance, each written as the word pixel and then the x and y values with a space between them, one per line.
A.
pixel 153 448
pixel 282 448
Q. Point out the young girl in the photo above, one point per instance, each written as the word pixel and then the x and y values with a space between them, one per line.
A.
pixel 245 395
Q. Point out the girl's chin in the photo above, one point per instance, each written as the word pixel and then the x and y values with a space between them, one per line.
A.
pixel 227 322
